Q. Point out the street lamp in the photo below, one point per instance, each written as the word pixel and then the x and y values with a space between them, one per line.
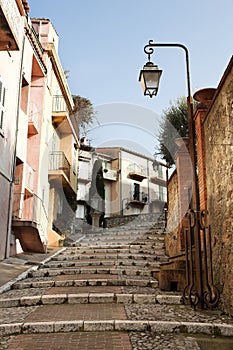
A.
pixel 200 290
pixel 149 78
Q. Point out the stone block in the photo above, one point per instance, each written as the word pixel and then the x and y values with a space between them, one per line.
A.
pixel 101 298
pixel 196 327
pixel 8 329
pixel 38 327
pixel 67 283
pixel 22 285
pixel 29 301
pixel 164 326
pixel 90 326
pixel 68 326
pixel 82 298
pixel 54 299
pixel 226 330
pixel 43 284
pixel 80 283
pixel 11 302
pixel 124 298
pixel 144 298
pixel 169 299
pixel 129 325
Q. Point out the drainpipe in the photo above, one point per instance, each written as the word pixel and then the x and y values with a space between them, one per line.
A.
pixel 11 194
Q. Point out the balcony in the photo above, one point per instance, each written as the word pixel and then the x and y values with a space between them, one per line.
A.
pixel 158 181
pixel 29 222
pixel 60 115
pixel 110 174
pixel 60 169
pixel 137 172
pixel 10 20
pixel 138 198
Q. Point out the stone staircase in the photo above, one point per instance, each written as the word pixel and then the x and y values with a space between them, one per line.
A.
pixel 100 293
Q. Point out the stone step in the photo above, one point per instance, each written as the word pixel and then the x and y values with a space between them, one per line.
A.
pixel 90 298
pixel 87 282
pixel 105 262
pixel 157 255
pixel 214 329
pixel 132 271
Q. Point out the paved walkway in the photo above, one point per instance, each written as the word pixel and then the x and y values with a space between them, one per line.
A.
pixel 100 294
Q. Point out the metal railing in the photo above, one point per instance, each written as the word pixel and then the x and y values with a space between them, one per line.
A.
pixel 59 104
pixel 139 196
pixel 30 207
pixel 137 169
pixel 58 161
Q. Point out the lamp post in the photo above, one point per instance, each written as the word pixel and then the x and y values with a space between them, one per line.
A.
pixel 200 290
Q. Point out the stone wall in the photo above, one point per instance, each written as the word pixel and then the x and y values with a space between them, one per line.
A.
pixel 218 129
pixel 116 221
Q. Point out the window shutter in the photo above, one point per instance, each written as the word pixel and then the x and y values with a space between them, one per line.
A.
pixel 2 102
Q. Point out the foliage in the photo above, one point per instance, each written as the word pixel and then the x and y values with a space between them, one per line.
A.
pixel 96 189
pixel 174 125
pixel 83 111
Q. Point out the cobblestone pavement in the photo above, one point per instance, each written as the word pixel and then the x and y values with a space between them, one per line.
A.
pixel 100 294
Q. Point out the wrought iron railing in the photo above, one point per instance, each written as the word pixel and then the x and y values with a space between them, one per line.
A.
pixel 139 196
pixel 30 207
pixel 59 104
pixel 58 161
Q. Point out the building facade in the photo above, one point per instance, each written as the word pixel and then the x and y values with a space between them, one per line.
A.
pixel 134 183
pixel 13 16
pixel 38 139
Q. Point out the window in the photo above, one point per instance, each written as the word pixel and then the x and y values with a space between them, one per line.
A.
pixel 161 196
pixel 2 103
pixel 136 192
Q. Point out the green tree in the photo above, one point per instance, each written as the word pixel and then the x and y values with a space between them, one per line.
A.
pixel 174 125
pixel 97 189
pixel 83 111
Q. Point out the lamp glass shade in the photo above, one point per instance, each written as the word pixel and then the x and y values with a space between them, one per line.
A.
pixel 149 78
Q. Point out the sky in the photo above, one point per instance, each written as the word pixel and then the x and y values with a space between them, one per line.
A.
pixel 101 45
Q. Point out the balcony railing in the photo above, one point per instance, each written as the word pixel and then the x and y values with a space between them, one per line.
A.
pixel 139 197
pixel 58 161
pixel 30 208
pixel 59 104
pixel 139 169
pixel 137 172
